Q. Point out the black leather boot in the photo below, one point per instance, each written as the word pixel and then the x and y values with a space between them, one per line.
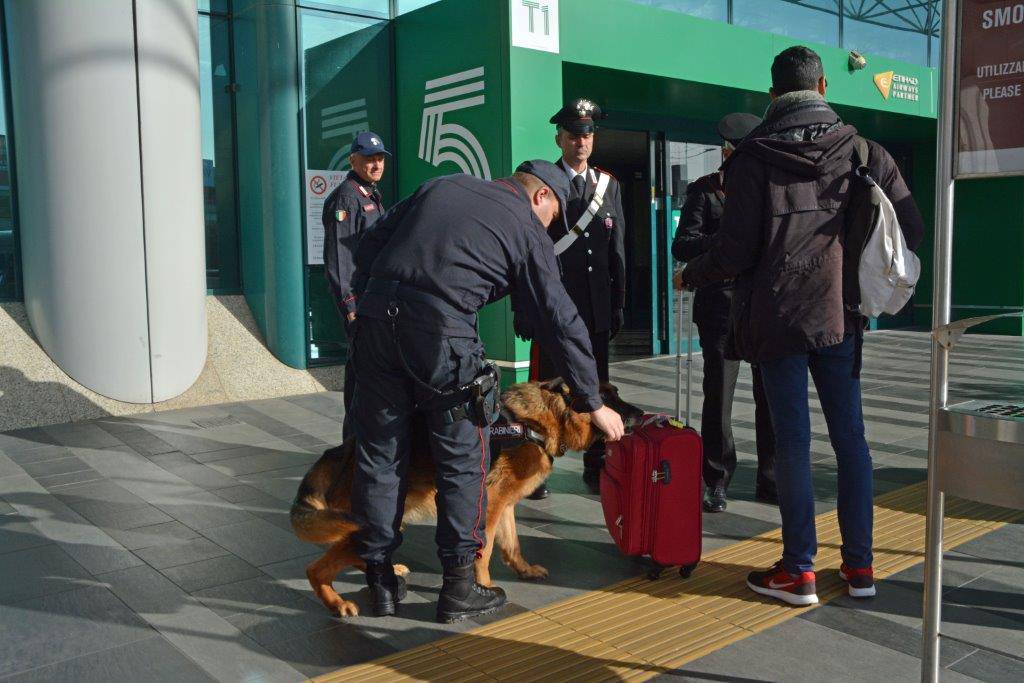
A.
pixel 386 589
pixel 461 596
pixel 540 493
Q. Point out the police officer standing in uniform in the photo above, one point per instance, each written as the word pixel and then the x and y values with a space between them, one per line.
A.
pixel 349 211
pixel 701 213
pixel 423 273
pixel 591 254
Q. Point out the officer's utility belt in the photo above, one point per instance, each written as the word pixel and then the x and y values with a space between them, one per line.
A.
pixel 581 225
pixel 428 310
pixel 476 400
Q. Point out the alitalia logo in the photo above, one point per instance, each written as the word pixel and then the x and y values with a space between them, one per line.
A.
pixel 897 86
pixel 442 141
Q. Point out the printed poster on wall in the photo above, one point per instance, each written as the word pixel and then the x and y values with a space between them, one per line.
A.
pixel 990 87
pixel 319 184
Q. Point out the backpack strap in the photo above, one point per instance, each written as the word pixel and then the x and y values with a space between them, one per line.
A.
pixel 860 150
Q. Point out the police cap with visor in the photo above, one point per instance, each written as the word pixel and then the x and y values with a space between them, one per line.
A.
pixel 736 126
pixel 368 144
pixel 553 177
pixel 578 117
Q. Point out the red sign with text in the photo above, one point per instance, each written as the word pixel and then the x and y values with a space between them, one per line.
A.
pixel 991 88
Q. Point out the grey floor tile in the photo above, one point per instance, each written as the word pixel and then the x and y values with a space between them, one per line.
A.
pixel 18 534
pixel 41 453
pixel 186 552
pixel 783 653
pixel 167 533
pixel 223 651
pixel 151 659
pixel 202 476
pixel 264 462
pixel 171 460
pixel 991 667
pixel 855 622
pixel 326 651
pixel 151 594
pixel 258 542
pixel 122 517
pixel 66 465
pixel 216 571
pixel 204 510
pixel 239 493
pixel 38 571
pixel 249 596
pixel 53 628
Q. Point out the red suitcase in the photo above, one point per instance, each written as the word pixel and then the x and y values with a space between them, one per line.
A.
pixel 651 488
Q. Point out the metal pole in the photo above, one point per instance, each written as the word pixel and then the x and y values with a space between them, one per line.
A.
pixel 689 357
pixel 941 301
pixel 679 356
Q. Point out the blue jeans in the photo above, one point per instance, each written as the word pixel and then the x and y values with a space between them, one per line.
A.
pixel 785 384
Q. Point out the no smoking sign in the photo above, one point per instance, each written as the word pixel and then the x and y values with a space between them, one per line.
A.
pixel 318 185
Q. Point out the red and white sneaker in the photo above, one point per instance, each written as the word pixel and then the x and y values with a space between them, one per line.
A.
pixel 861 582
pixel 776 582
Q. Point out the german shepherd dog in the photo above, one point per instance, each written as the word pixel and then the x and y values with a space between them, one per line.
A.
pixel 322 509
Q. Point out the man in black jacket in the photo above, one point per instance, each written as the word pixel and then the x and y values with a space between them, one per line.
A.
pixel 423 272
pixel 591 253
pixel 784 242
pixel 698 225
pixel 350 210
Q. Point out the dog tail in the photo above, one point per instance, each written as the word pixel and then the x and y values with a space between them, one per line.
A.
pixel 321 526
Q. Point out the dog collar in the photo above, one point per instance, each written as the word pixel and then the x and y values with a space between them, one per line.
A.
pixel 510 430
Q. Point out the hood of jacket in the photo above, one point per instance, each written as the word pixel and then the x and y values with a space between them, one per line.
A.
pixel 802 135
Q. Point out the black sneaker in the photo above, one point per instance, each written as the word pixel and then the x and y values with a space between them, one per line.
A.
pixel 462 597
pixel 714 499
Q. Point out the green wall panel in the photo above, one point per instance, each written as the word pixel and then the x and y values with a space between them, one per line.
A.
pixel 447 121
pixel 659 42
pixel 269 183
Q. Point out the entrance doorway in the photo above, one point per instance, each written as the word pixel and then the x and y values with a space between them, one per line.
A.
pixel 626 155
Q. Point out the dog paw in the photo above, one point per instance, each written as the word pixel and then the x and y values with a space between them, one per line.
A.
pixel 534 572
pixel 401 570
pixel 345 608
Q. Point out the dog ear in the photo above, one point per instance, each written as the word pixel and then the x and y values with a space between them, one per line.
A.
pixel 556 386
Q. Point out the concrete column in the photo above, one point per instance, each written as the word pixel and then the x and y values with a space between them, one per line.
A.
pixel 105 100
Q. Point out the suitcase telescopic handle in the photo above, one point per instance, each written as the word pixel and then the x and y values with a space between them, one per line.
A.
pixel 684 320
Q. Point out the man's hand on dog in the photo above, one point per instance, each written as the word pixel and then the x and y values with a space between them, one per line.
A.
pixel 609 422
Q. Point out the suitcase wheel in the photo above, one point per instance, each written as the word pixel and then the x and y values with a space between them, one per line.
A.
pixel 654 573
pixel 686 570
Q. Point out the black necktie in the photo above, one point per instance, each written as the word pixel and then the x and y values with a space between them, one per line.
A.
pixel 575 208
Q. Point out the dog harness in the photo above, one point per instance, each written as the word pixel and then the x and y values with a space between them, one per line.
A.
pixel 507 432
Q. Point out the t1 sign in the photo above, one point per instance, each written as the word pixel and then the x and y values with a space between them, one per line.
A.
pixel 990 88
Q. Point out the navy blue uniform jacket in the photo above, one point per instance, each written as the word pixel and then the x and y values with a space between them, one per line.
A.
pixel 349 211
pixel 471 242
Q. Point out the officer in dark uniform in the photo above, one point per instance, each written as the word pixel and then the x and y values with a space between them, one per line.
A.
pixel 591 253
pixel 423 272
pixel 701 213
pixel 349 210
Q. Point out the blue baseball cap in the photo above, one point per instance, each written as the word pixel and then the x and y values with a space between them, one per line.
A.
pixel 552 176
pixel 368 144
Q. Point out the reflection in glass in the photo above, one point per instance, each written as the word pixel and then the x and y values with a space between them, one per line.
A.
pixel 812 20
pixel 218 154
pixel 10 265
pixel 899 30
pixel 717 10
pixel 368 6
pixel 347 88
pixel 410 5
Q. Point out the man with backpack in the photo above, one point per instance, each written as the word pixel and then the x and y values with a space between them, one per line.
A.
pixel 784 242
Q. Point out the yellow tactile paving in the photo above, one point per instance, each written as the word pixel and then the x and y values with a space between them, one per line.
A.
pixel 637 629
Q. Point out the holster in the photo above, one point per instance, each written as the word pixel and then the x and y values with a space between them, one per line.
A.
pixel 476 401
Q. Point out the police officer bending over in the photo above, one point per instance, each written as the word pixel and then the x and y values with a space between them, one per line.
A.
pixel 349 211
pixel 457 244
